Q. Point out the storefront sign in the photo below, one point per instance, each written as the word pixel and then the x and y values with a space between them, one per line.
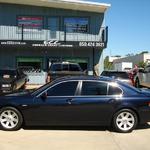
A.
pixel 53 43
pixel 91 44
pixel 12 43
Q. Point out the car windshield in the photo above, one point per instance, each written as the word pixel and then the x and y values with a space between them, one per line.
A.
pixel 121 75
pixel 5 73
pixel 42 88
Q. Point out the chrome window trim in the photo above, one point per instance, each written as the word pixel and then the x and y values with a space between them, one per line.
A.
pixel 122 92
pixel 56 85
pixel 94 95
pixel 79 85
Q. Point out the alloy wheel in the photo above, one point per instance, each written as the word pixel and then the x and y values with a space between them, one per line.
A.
pixel 125 121
pixel 10 119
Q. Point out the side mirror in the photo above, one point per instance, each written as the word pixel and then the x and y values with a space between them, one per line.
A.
pixel 44 96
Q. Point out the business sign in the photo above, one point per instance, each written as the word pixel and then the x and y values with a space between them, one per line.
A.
pixel 7 43
pixel 53 43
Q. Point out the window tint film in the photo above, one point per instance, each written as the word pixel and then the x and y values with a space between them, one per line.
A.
pixel 56 67
pixel 94 88
pixel 73 67
pixel 63 89
pixel 113 90
pixel 65 67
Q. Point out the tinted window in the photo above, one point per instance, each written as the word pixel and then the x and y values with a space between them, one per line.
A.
pixel 113 90
pixel 63 89
pixel 122 75
pixel 74 25
pixel 73 67
pixel 65 67
pixel 94 88
pixel 56 67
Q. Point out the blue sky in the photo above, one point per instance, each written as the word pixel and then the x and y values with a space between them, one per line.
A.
pixel 129 26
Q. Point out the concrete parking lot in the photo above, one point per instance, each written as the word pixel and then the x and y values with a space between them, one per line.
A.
pixel 67 138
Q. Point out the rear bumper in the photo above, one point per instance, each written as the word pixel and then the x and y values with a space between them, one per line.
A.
pixel 144 115
pixel 6 89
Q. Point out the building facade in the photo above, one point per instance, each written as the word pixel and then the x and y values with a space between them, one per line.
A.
pixel 135 59
pixel 36 33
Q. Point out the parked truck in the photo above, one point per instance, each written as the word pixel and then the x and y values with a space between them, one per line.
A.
pixel 123 66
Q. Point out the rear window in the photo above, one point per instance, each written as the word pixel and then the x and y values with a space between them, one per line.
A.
pixel 55 67
pixel 121 75
pixel 73 67
pixel 113 90
pixel 65 67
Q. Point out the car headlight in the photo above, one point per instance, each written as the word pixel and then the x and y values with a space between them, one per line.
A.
pixel 6 85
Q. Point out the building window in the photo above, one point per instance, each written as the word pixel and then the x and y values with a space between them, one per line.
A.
pixel 76 25
pixel 30 23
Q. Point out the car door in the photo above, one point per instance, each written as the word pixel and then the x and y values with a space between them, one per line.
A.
pixel 54 109
pixel 93 105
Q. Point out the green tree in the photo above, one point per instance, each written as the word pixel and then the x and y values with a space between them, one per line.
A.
pixel 144 52
pixel 142 64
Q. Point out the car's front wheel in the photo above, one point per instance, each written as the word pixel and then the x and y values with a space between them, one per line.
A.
pixel 10 119
pixel 125 120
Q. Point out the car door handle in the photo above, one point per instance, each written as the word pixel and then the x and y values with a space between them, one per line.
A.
pixel 69 101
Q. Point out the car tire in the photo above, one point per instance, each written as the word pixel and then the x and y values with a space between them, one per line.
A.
pixel 10 119
pixel 125 121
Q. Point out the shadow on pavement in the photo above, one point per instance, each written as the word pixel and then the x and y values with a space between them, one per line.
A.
pixel 76 128
pixel 143 126
pixel 81 128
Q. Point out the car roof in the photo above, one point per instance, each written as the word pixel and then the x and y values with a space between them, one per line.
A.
pixel 86 77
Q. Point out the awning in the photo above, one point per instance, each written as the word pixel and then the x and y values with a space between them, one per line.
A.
pixel 64 4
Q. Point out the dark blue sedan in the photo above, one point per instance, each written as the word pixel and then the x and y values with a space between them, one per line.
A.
pixel 76 101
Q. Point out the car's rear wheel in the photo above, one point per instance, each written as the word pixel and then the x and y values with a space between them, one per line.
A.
pixel 125 121
pixel 10 119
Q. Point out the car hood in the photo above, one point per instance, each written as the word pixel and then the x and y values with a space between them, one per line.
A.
pixel 17 94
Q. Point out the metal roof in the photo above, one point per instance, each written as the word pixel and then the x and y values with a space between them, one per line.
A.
pixel 79 5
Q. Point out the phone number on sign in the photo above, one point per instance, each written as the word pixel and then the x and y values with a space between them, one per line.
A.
pixel 91 44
